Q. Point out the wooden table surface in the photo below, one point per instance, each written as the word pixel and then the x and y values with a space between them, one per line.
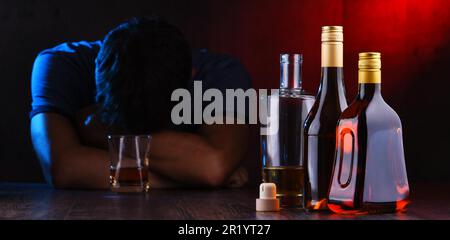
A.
pixel 38 201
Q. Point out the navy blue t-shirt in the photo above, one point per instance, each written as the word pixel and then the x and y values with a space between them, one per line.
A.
pixel 63 78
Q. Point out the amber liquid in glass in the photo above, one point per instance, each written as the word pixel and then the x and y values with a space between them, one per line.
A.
pixel 369 173
pixel 129 179
pixel 289 182
pixel 320 137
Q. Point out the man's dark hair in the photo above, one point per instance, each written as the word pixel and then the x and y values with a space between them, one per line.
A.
pixel 139 65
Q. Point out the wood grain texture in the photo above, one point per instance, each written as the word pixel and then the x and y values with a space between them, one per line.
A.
pixel 38 201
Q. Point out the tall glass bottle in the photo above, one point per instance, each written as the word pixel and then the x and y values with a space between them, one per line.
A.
pixel 369 173
pixel 320 125
pixel 281 147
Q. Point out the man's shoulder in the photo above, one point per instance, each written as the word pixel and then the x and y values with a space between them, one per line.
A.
pixel 75 57
pixel 63 78
pixel 74 49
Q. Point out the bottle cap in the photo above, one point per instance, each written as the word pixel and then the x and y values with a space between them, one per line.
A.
pixel 369 60
pixel 267 201
pixel 332 34
pixel 369 67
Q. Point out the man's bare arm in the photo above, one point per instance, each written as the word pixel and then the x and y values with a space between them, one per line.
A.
pixel 66 162
pixel 208 158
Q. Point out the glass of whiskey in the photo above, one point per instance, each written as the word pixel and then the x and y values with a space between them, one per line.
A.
pixel 129 160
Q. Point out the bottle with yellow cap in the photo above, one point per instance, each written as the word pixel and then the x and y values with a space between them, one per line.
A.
pixel 369 173
pixel 320 125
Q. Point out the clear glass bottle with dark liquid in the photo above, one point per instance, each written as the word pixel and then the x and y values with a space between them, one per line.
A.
pixel 369 173
pixel 281 146
pixel 320 125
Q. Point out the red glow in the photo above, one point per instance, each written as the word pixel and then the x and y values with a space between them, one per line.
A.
pixel 322 204
pixel 401 205
pixel 412 35
pixel 348 143
pixel 339 210
pixel 406 32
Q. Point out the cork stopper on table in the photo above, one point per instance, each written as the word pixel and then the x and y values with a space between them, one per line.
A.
pixel 267 201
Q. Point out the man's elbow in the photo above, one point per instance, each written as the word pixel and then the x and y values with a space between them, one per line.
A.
pixel 57 177
pixel 59 182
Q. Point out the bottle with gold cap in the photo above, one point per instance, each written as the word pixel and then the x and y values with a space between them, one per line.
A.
pixel 320 125
pixel 369 173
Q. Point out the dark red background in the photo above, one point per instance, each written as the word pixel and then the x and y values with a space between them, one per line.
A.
pixel 412 35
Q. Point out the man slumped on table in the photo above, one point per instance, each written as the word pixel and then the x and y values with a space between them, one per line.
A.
pixel 82 91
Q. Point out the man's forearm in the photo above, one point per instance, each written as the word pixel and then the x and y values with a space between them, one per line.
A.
pixel 198 159
pixel 184 157
pixel 88 168
pixel 207 157
pixel 69 164
pixel 81 167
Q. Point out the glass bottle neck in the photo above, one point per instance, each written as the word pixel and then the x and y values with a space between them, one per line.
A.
pixel 332 78
pixel 291 74
pixel 367 91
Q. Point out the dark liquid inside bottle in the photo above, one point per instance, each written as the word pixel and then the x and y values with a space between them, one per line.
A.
pixel 320 137
pixel 369 174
